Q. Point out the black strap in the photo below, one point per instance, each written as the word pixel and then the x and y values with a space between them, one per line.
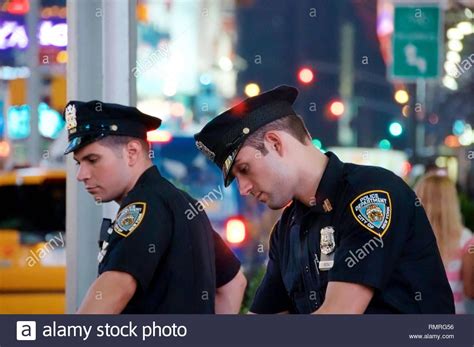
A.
pixel 106 223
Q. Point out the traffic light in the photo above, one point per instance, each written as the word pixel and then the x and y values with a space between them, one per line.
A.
pixel 458 127
pixel 317 143
pixel 335 109
pixel 305 75
pixel 452 141
pixel 385 144
pixel 252 89
pixel 235 230
pixel 401 96
pixel 395 129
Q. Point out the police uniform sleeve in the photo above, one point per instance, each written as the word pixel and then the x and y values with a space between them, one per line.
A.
pixel 271 295
pixel 227 264
pixel 374 227
pixel 141 234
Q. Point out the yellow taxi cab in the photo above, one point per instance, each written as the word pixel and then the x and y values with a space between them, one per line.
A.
pixel 32 241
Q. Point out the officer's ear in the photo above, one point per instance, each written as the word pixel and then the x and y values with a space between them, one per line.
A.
pixel 274 142
pixel 133 151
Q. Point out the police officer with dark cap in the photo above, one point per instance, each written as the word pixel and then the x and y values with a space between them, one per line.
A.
pixel 351 239
pixel 152 259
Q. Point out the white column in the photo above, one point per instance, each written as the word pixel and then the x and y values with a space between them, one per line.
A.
pixel 119 57
pixel 33 83
pixel 84 82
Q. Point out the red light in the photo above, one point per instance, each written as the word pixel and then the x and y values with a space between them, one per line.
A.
pixel 18 6
pixel 452 141
pixel 337 108
pixel 306 75
pixel 161 136
pixel 235 230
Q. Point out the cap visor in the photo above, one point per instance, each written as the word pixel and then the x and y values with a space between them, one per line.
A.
pixel 228 179
pixel 73 145
pixel 228 176
pixel 81 141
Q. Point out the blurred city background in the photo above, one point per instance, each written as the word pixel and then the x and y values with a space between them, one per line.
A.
pixel 376 87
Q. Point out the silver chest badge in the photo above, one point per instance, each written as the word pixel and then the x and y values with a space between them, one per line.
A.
pixel 327 243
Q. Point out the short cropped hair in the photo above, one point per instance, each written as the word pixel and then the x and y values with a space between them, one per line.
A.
pixel 117 142
pixel 292 124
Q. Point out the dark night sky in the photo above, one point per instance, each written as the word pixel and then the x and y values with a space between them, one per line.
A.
pixel 287 38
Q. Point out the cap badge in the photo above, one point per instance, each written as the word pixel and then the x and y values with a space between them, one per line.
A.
pixel 206 151
pixel 70 115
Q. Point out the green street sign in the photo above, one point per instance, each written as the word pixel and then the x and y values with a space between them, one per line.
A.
pixel 416 42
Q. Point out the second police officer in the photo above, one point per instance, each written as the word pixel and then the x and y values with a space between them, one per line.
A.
pixel 152 259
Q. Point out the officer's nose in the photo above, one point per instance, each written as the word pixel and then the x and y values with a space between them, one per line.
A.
pixel 245 187
pixel 82 173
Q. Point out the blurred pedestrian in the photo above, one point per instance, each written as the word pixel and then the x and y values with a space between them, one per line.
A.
pixel 439 197
pixel 152 259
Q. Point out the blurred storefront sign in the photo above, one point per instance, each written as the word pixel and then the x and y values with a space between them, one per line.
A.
pixel 49 126
pixel 13 32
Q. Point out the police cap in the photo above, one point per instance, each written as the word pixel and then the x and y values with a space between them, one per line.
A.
pixel 221 139
pixel 90 121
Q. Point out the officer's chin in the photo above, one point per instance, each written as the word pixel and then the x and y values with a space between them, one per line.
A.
pixel 275 207
pixel 99 199
pixel 278 206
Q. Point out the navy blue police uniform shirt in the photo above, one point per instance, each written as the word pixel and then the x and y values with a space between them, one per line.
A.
pixel 381 239
pixel 177 261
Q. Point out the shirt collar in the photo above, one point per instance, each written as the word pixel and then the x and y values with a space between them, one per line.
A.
pixel 327 191
pixel 148 174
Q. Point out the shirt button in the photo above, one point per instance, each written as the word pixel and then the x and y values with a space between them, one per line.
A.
pixel 306 268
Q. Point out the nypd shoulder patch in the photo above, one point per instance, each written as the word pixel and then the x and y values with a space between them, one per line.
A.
pixel 373 210
pixel 129 218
